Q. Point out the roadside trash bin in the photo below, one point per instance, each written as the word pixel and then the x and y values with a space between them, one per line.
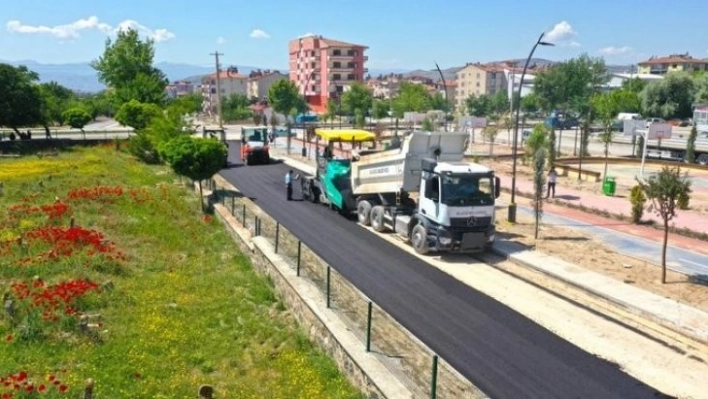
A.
pixel 304 151
pixel 609 186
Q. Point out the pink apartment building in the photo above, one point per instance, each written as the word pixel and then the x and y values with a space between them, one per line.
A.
pixel 323 68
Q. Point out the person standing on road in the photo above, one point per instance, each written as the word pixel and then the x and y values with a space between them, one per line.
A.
pixel 552 176
pixel 289 184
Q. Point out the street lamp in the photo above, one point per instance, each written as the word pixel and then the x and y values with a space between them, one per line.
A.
pixel 512 206
pixel 442 77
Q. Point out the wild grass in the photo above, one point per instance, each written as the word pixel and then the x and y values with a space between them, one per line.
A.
pixel 180 307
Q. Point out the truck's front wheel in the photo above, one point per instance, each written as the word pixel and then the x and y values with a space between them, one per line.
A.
pixel 377 218
pixel 363 212
pixel 419 239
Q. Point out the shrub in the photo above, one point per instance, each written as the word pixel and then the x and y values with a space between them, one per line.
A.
pixel 682 200
pixel 637 199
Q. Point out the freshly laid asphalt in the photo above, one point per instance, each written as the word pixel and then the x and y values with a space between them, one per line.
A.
pixel 505 354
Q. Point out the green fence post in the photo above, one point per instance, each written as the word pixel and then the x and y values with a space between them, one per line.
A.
pixel 434 378
pixel 329 280
pixel 277 235
pixel 243 216
pixel 255 225
pixel 368 328
pixel 233 204
pixel 299 253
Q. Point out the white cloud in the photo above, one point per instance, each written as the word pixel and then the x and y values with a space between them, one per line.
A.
pixel 73 30
pixel 259 34
pixel 220 40
pixel 562 34
pixel 616 51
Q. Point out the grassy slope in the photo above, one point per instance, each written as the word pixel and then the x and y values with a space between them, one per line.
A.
pixel 186 308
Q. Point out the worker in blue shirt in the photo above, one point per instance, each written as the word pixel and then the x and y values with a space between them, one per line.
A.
pixel 289 184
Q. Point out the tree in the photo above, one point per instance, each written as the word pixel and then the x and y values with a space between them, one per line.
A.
pixel 539 180
pixel 701 89
pixel 637 199
pixel 439 102
pixel 359 119
pixel 499 104
pixel 634 85
pixel 77 118
pixel 380 109
pixel 691 145
pixel 358 97
pixel 283 97
pixel 478 105
pixel 490 133
pixel 664 189
pixel 427 125
pixel 55 100
pixel 671 97
pixel 411 97
pixel 136 114
pixel 536 141
pixel 20 98
pixel 189 104
pixel 197 159
pixel 126 67
pixel 98 104
pixel 236 108
pixel 551 146
pixel 606 107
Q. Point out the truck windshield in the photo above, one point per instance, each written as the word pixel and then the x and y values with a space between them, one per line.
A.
pixel 254 134
pixel 462 190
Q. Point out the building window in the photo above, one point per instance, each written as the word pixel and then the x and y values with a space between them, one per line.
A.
pixel 477 86
pixel 336 52
pixel 314 88
pixel 339 89
pixel 337 76
pixel 477 75
pixel 351 77
pixel 337 65
pixel 351 52
pixel 351 65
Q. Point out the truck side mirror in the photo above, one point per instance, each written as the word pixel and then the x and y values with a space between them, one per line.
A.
pixel 497 187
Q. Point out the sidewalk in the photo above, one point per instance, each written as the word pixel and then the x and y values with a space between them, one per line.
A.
pixel 688 321
pixel 685 219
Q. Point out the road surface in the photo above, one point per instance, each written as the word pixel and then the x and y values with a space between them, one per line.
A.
pixel 505 354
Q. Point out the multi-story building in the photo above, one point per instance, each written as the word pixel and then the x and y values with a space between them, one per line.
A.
pixel 672 63
pixel 324 68
pixel 179 88
pixel 260 81
pixel 230 81
pixel 477 79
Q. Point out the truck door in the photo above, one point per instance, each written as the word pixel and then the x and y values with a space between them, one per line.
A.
pixel 429 202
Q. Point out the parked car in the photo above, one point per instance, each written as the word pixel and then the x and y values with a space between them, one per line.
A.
pixel 649 121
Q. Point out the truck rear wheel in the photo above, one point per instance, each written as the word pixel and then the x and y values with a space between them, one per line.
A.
pixel 702 159
pixel 363 212
pixel 419 239
pixel 377 218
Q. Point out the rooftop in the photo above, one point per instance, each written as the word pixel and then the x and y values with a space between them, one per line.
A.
pixel 674 59
pixel 325 42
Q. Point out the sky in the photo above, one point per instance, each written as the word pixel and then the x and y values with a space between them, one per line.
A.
pixel 400 34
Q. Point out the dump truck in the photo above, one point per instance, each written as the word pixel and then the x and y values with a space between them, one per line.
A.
pixel 420 188
pixel 254 145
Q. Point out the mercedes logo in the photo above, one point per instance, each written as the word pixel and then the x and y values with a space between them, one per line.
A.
pixel 472 221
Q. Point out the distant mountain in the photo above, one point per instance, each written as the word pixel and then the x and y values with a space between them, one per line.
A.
pixel 81 77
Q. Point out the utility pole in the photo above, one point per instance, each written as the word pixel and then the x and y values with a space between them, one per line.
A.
pixel 218 87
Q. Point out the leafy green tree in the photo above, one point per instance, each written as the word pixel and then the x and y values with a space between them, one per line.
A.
pixel 98 104
pixel 478 105
pixel 359 119
pixel 606 106
pixel 490 133
pixel 691 145
pixel 126 67
pixel 637 199
pixel 701 89
pixel 77 118
pixel 136 114
pixel 671 97
pixel 236 108
pixel 196 159
pixel 664 189
pixel 499 104
pixel 20 98
pixel 283 97
pixel 188 104
pixel 537 140
pixel 411 97
pixel 634 85
pixel 440 103
pixel 380 109
pixel 55 100
pixel 539 180
pixel 427 125
pixel 358 97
